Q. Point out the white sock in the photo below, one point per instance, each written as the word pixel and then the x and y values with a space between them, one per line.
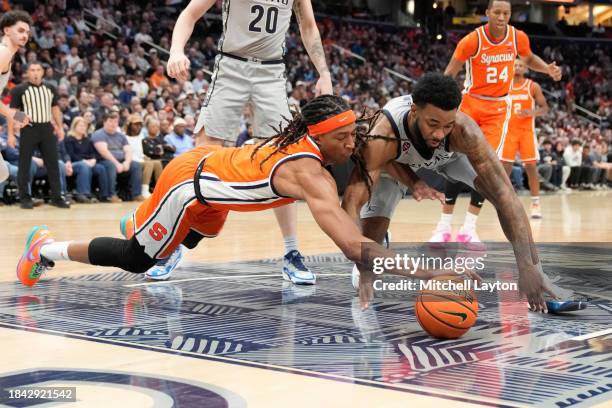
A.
pixel 56 251
pixel 445 220
pixel 535 199
pixel 469 223
pixel 145 190
pixel 290 243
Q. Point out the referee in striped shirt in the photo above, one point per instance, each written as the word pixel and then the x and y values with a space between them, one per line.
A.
pixel 39 102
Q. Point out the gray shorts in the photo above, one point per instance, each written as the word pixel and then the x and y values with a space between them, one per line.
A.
pixel 235 83
pixel 388 192
pixel 386 195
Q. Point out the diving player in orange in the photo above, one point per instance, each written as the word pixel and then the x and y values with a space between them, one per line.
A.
pixel 488 54
pixel 528 101
pixel 198 189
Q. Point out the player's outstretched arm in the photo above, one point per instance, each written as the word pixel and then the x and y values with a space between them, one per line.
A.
pixel 178 63
pixel 312 42
pixel 356 193
pixel 536 63
pixel 493 183
pixel 454 67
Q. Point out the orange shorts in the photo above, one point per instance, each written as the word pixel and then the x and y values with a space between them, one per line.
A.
pixel 492 116
pixel 522 141
pixel 163 220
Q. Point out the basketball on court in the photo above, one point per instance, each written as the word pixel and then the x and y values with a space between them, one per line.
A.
pixel 447 314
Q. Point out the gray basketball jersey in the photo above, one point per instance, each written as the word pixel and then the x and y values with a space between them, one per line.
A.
pixel 255 28
pixel 396 111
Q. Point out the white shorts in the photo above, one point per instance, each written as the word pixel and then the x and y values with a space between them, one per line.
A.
pixel 235 83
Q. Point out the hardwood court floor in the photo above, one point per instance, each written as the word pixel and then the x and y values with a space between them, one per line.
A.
pixel 575 217
pixel 260 342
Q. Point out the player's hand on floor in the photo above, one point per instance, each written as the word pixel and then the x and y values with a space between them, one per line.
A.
pixel 421 191
pixel 178 66
pixel 531 286
pixel 366 287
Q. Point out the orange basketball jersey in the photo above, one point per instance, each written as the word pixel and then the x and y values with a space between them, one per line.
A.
pixel 489 65
pixel 522 98
pixel 231 180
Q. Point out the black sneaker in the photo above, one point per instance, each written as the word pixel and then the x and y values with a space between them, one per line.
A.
pixel 80 198
pixel 27 204
pixel 60 203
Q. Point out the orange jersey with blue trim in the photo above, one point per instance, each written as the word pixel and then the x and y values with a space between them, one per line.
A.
pixel 231 179
pixel 489 65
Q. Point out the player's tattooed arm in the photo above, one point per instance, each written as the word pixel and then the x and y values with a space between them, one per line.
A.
pixel 493 183
pixel 311 36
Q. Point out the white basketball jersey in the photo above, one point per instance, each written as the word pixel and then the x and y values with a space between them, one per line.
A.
pixel 396 111
pixel 4 79
pixel 255 28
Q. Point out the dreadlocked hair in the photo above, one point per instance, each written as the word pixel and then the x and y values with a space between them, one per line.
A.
pixel 365 123
pixel 319 109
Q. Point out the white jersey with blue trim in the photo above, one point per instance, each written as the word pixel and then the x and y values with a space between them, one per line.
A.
pixel 396 111
pixel 255 28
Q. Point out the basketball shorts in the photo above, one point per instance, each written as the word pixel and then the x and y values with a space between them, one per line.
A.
pixel 522 141
pixel 164 219
pixel 388 192
pixel 492 116
pixel 234 84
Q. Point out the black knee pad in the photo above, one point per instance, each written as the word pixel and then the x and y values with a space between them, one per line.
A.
pixel 125 254
pixel 451 192
pixel 477 200
pixel 192 239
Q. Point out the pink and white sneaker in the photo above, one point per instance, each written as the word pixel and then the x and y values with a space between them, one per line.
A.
pixel 469 238
pixel 441 235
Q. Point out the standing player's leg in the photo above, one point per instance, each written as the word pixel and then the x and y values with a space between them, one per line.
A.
pixel 270 111
pixel 229 91
pixel 493 118
pixel 523 143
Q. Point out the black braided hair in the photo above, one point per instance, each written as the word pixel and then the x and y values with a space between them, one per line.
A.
pixel 319 109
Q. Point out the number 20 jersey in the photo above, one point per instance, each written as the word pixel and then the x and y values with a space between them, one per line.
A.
pixel 255 28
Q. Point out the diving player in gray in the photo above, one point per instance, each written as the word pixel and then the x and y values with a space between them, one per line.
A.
pixel 249 68
pixel 425 130
pixel 15 29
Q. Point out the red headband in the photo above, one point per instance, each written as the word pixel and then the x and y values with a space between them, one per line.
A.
pixel 333 123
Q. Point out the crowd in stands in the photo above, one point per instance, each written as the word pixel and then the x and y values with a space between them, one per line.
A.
pixel 125 119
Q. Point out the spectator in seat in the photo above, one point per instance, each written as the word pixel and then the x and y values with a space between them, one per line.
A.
pixel 115 154
pixel 84 164
pixel 573 158
pixel 562 173
pixel 154 146
pixel 178 138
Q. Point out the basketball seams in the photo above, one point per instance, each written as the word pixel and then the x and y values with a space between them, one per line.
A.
pixel 452 300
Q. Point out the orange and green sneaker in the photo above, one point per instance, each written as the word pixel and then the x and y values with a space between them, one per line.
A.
pixel 32 265
pixel 126 226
